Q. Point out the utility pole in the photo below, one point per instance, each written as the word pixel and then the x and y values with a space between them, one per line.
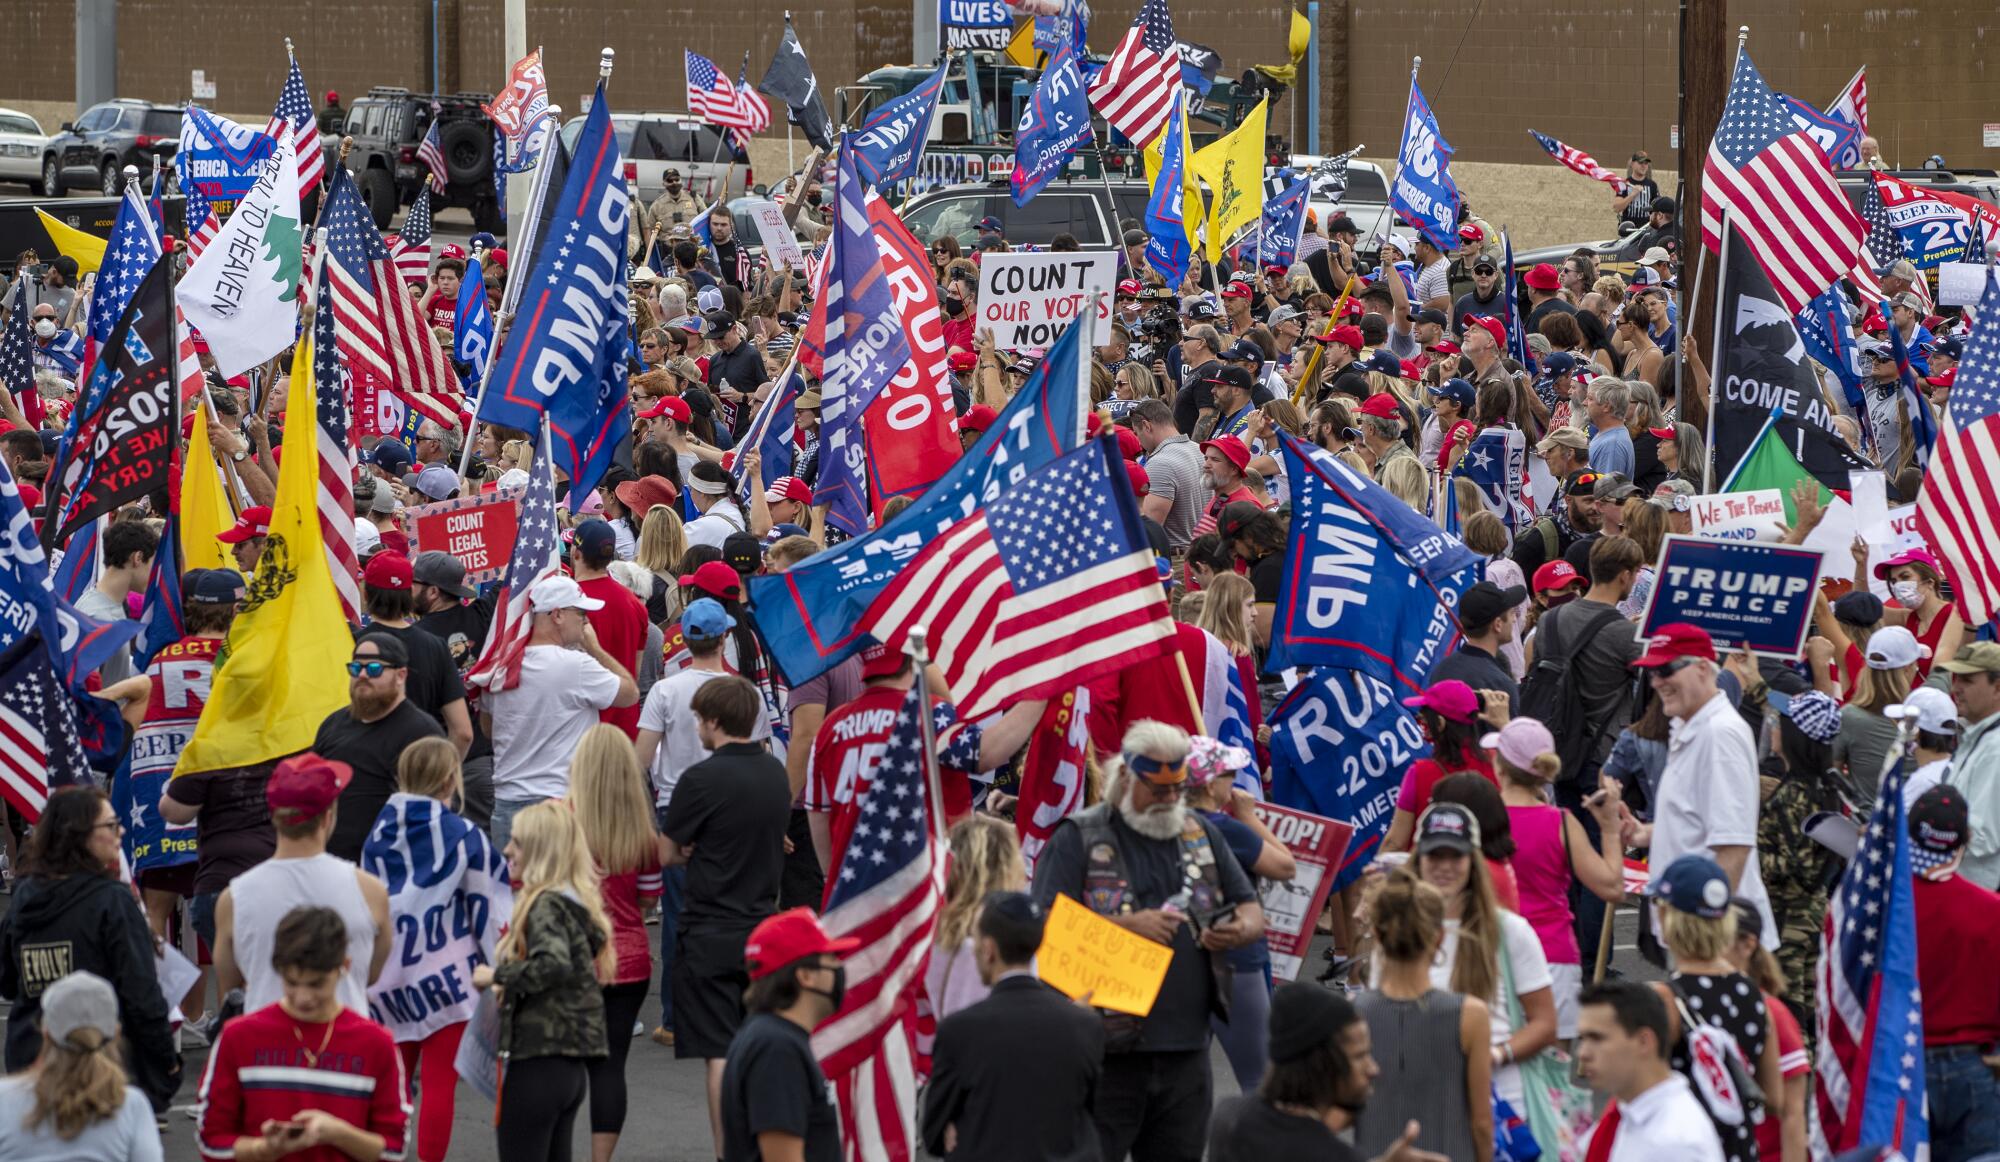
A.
pixel 96 52
pixel 516 45
pixel 1707 61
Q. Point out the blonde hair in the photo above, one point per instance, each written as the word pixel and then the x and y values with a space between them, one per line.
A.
pixel 1484 533
pixel 1407 481
pixel 662 542
pixel 985 857
pixel 1878 689
pixel 1285 415
pixel 1191 605
pixel 430 767
pixel 1408 917
pixel 1692 937
pixel 1546 768
pixel 79 1082
pixel 555 858
pixel 1222 613
pixel 608 791
pixel 521 452
pixel 1144 386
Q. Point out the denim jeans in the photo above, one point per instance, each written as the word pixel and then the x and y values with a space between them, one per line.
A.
pixel 1965 1104
pixel 504 811
pixel 673 889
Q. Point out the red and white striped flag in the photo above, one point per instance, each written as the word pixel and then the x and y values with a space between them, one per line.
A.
pixel 188 375
pixel 712 98
pixel 756 110
pixel 1775 184
pixel 499 664
pixel 294 114
pixel 335 448
pixel 412 247
pixel 430 151
pixel 1578 160
pixel 1138 87
pixel 202 235
pixel 1958 510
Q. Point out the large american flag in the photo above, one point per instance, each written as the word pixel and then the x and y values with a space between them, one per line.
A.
pixel 1871 1027
pixel 1774 182
pixel 385 343
pixel 887 893
pixel 413 242
pixel 335 447
pixel 1050 586
pixel 17 354
pixel 1958 510
pixel 200 236
pixel 295 111
pixel 40 744
pixel 1579 161
pixel 430 151
pixel 1136 89
pixel 134 248
pixel 499 664
pixel 712 98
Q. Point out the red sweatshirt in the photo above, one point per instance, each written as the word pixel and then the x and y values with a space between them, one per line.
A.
pixel 269 1066
pixel 1958 943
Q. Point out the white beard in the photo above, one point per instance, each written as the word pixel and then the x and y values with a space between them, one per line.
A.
pixel 1154 823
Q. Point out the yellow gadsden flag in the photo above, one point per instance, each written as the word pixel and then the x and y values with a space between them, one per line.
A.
pixel 283 669
pixel 205 507
pixel 85 247
pixel 1233 167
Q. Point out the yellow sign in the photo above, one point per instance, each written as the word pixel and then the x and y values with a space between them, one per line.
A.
pixel 1021 46
pixel 1082 952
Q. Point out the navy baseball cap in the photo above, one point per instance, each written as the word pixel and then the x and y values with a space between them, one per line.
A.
pixel 1382 360
pixel 704 620
pixel 1948 346
pixel 391 455
pixel 1557 364
pixel 1459 392
pixel 596 537
pixel 989 222
pixel 1694 884
pixel 1431 315
pixel 216 587
pixel 1244 351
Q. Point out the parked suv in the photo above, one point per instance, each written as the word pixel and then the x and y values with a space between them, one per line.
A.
pixel 710 165
pixel 95 149
pixel 389 124
pixel 1074 206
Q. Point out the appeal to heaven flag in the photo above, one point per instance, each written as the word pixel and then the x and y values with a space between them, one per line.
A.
pixel 281 673
pixel 1233 167
pixel 242 293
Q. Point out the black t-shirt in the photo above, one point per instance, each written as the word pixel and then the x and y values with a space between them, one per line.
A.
pixel 1477 669
pixel 1470 303
pixel 772 1081
pixel 233 833
pixel 1246 1129
pixel 372 749
pixel 462 628
pixel 1640 208
pixel 1179 1020
pixel 733 809
pixel 1544 309
pixel 1267 574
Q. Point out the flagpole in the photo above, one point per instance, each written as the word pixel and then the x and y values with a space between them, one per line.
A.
pixel 920 657
pixel 1715 349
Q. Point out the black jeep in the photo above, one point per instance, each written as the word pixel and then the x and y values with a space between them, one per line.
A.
pixel 389 124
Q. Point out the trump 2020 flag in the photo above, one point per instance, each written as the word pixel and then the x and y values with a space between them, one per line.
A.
pixel 890 143
pixel 1284 222
pixel 1340 742
pixel 566 350
pixel 1368 581
pixel 1055 121
pixel 242 293
pixel 472 328
pixel 1425 195
pixel 1168 248
pixel 1851 108
pixel 219 162
pixel 1496 462
pixel 1834 138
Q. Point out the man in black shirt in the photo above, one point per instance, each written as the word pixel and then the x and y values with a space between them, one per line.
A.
pixel 1544 284
pixel 1640 190
pixel 453 612
pixel 388 592
pixel 369 735
pixel 774 1101
pixel 1486 613
pixel 1322 1071
pixel 736 363
pixel 1486 296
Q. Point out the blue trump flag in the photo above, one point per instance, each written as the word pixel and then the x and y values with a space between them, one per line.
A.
pixel 1425 195
pixel 566 353
pixel 1369 583
pixel 1167 248
pixel 810 614
pixel 1517 331
pixel 770 435
pixel 1923 424
pixel 1828 333
pixel 1055 121
pixel 1496 462
pixel 1835 138
pixel 1340 743
pixel 1284 221
pixel 890 143
pixel 865 347
pixel 472 330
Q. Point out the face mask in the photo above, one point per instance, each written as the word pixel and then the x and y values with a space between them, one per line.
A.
pixel 45 327
pixel 954 307
pixel 839 990
pixel 1908 593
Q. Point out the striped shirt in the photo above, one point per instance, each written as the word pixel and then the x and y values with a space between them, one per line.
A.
pixel 1173 471
pixel 269 1066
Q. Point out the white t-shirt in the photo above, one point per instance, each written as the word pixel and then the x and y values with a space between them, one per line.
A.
pixel 714 526
pixel 666 712
pixel 1923 779
pixel 538 724
pixel 1708 798
pixel 625 545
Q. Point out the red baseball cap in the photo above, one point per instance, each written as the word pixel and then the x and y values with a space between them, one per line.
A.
pixel 387 569
pixel 1233 449
pixel 789 488
pixel 977 418
pixel 1679 640
pixel 1381 405
pixel 963 361
pixel 1471 233
pixel 1128 443
pixel 1491 326
pixel 672 406
pixel 1141 483
pixel 306 785
pixel 1543 277
pixel 787 938
pixel 1554 575
pixel 716 579
pixel 881 661
pixel 254 521
pixel 1451 698
pixel 1236 290
pixel 1129 288
pixel 1346 333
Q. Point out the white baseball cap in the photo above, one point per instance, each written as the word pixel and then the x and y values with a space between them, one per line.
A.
pixel 559 592
pixel 1894 647
pixel 1936 712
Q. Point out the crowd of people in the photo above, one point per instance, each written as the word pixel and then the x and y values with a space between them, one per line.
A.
pixel 454 875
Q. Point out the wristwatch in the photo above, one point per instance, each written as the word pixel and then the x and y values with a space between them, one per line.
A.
pixel 240 455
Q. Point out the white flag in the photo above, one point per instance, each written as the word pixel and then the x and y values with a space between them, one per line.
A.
pixel 242 293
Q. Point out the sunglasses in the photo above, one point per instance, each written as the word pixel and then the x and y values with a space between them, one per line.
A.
pixel 1673 667
pixel 372 669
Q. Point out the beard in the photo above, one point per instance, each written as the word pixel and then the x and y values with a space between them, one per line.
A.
pixel 1161 822
pixel 370 705
pixel 1208 480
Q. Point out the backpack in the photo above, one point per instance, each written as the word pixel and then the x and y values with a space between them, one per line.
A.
pixel 1552 692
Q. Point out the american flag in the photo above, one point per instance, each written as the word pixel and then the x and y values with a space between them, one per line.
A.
pixel 17 356
pixel 1774 182
pixel 295 110
pixel 1137 88
pixel 413 243
pixel 756 110
pixel 1958 510
pixel 133 249
pixel 1871 1027
pixel 202 235
pixel 712 98
pixel 1050 586
pixel 40 744
pixel 385 344
pixel 499 664
pixel 887 893
pixel 431 152
pixel 335 447
pixel 1883 240
pixel 1579 161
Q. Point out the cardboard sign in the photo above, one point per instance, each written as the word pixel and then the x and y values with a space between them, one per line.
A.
pixel 1747 595
pixel 1740 516
pixel 1960 284
pixel 1028 299
pixel 1318 845
pixel 781 246
pixel 1082 952
pixel 478 530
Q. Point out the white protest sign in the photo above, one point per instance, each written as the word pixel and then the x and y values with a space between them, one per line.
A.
pixel 1027 300
pixel 1868 492
pixel 1834 538
pixel 1960 283
pixel 781 246
pixel 1739 516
